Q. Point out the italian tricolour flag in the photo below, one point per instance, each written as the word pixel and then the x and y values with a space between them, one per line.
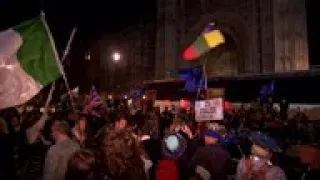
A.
pixel 28 62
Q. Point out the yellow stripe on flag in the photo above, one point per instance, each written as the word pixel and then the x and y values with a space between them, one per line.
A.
pixel 214 38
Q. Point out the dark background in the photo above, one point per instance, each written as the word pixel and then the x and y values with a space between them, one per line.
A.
pixel 313 31
pixel 96 17
pixel 91 17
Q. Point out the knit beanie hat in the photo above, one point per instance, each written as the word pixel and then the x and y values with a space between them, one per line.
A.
pixel 173 146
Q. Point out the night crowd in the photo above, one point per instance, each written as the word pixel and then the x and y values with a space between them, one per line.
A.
pixel 104 139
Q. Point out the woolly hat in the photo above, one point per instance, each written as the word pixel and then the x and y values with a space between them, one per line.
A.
pixel 211 133
pixel 265 141
pixel 173 146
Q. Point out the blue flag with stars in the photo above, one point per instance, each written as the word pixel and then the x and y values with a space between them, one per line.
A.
pixel 194 78
pixel 267 89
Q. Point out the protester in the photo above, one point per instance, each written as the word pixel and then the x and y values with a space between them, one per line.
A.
pixel 59 154
pixel 83 166
pixel 81 132
pixel 16 139
pixel 173 147
pixel 123 155
pixel 4 150
pixel 258 165
pixel 151 145
pixel 207 157
pixel 120 122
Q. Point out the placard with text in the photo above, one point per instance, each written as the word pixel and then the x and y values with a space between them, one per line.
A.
pixel 207 110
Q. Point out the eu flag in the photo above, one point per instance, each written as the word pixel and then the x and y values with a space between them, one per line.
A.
pixel 194 78
pixel 267 89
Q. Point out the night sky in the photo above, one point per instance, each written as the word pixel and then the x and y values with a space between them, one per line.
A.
pixel 96 17
pixel 91 17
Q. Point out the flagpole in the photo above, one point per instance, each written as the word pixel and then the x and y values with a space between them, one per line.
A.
pixel 205 75
pixel 59 63
pixel 205 78
pixel 67 49
pixel 64 56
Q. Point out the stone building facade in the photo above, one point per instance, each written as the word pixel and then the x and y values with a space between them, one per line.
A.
pixel 136 44
pixel 139 47
pixel 262 36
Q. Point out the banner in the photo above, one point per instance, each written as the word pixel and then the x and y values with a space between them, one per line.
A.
pixel 207 110
pixel 215 93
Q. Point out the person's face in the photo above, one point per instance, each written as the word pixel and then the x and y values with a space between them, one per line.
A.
pixel 210 140
pixel 54 132
pixel 82 124
pixel 122 123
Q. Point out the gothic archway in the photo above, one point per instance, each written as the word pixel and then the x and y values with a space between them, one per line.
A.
pixel 231 57
pixel 223 60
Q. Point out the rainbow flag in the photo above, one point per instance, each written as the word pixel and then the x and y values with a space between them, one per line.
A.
pixel 209 39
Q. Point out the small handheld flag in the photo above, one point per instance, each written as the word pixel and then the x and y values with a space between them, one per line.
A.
pixel 93 100
pixel 267 89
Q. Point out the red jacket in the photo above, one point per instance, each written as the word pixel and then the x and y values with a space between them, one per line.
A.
pixel 167 170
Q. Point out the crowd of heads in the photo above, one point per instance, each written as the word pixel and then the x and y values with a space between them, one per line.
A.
pixel 119 142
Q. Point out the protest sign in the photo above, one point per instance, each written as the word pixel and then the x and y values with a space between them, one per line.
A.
pixel 206 110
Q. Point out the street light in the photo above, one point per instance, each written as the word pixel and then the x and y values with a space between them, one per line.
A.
pixel 116 56
pixel 144 97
